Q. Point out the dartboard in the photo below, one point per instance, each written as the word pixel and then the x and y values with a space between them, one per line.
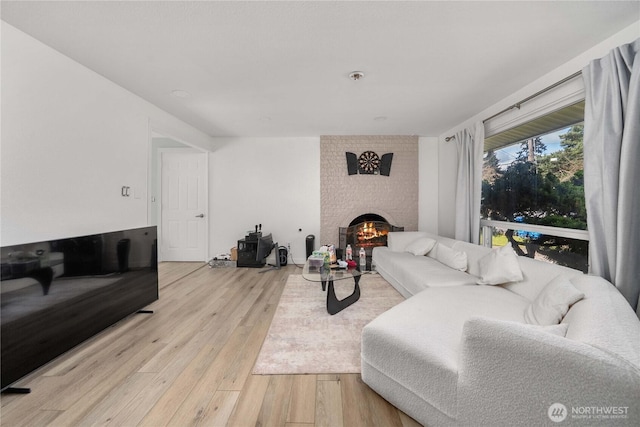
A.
pixel 368 162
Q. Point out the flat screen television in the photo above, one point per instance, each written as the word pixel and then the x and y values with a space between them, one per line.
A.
pixel 264 248
pixel 56 294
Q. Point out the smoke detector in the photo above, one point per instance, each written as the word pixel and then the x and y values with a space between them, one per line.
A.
pixel 356 75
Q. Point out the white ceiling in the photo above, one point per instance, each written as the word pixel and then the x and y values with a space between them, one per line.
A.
pixel 281 68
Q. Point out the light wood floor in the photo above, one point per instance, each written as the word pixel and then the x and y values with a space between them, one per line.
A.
pixel 190 363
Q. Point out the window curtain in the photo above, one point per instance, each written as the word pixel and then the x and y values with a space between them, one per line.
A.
pixel 612 168
pixel 469 144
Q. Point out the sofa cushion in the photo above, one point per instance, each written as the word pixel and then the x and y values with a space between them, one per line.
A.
pixel 536 274
pixel 410 274
pixel 474 254
pixel 420 246
pixel 398 241
pixel 442 241
pixel 451 258
pixel 553 302
pixel 416 343
pixel 500 266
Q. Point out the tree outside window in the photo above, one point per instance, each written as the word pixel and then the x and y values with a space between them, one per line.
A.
pixel 539 181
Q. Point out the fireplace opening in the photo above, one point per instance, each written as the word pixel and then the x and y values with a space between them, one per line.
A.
pixel 366 231
pixel 367 217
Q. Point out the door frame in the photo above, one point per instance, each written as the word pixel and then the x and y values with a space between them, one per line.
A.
pixel 155 200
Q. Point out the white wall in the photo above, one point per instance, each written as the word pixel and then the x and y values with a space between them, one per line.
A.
pixel 428 170
pixel 70 140
pixel 447 157
pixel 270 181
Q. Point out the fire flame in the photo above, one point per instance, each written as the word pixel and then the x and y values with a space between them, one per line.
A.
pixel 368 231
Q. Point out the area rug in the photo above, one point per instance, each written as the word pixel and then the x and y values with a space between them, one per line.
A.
pixel 304 339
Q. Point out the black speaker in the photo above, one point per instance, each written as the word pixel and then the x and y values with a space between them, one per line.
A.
pixel 283 254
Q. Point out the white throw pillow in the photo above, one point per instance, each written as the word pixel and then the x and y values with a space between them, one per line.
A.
pixel 434 251
pixel 452 258
pixel 553 302
pixel 420 246
pixel 499 266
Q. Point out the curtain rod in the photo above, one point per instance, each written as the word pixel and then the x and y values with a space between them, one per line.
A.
pixel 529 98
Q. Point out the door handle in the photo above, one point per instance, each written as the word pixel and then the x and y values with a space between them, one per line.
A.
pixel 200 216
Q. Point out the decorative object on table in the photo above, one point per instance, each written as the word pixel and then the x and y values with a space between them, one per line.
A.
pixel 332 254
pixel 369 163
pixel 316 262
pixel 324 252
pixel 363 259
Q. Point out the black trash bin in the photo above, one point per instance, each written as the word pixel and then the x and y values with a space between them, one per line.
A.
pixel 311 239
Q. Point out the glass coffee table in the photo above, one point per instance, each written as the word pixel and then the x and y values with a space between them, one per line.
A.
pixel 327 277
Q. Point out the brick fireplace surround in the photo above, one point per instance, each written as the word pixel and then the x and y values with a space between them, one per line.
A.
pixel 344 197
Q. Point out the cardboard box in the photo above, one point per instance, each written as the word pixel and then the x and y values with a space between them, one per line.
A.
pixel 234 254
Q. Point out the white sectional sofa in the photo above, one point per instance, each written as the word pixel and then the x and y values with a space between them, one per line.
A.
pixel 459 353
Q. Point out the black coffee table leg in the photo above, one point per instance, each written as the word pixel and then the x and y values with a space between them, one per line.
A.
pixel 334 305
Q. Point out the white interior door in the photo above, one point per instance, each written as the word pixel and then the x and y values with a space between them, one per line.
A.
pixel 184 206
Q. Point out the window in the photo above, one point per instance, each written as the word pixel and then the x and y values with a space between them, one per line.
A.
pixel 533 188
